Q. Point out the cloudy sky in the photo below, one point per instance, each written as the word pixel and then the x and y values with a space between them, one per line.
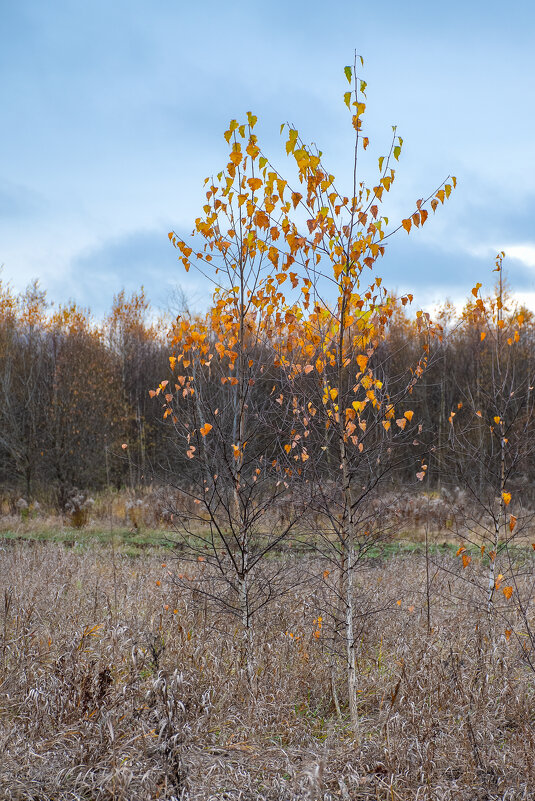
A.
pixel 113 113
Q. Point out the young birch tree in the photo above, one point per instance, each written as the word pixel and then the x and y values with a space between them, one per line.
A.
pixel 336 368
pixel 254 337
pixel 492 440
pixel 222 400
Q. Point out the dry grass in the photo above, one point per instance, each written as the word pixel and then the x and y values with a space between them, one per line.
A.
pixel 114 684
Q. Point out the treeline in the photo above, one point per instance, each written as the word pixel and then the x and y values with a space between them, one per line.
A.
pixel 74 392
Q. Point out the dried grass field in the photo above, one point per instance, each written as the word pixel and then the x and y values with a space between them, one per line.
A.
pixel 117 684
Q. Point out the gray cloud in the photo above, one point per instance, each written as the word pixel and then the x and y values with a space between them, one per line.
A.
pixel 140 258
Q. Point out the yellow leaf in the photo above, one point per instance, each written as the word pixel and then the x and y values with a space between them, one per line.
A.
pixel 409 415
pixel 497 420
pixel 506 498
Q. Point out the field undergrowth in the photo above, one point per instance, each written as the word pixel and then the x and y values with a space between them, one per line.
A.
pixel 115 683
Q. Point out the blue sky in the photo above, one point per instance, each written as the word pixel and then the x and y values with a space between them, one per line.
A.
pixel 113 113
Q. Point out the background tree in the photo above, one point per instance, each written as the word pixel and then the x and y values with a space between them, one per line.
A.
pixel 85 414
pixel 24 366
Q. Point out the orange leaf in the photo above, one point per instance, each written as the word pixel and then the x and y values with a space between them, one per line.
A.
pixel 466 560
pixel 407 225
pixel 124 446
pixel 512 522
pixel 507 591
pixel 409 415
pixel 483 335
pixel 206 428
pixel 508 633
pixel 362 361
pixel 506 498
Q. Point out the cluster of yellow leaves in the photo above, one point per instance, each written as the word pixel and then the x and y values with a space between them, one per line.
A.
pixel 248 228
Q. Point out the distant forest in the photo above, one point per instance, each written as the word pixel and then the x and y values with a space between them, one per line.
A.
pixel 75 409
